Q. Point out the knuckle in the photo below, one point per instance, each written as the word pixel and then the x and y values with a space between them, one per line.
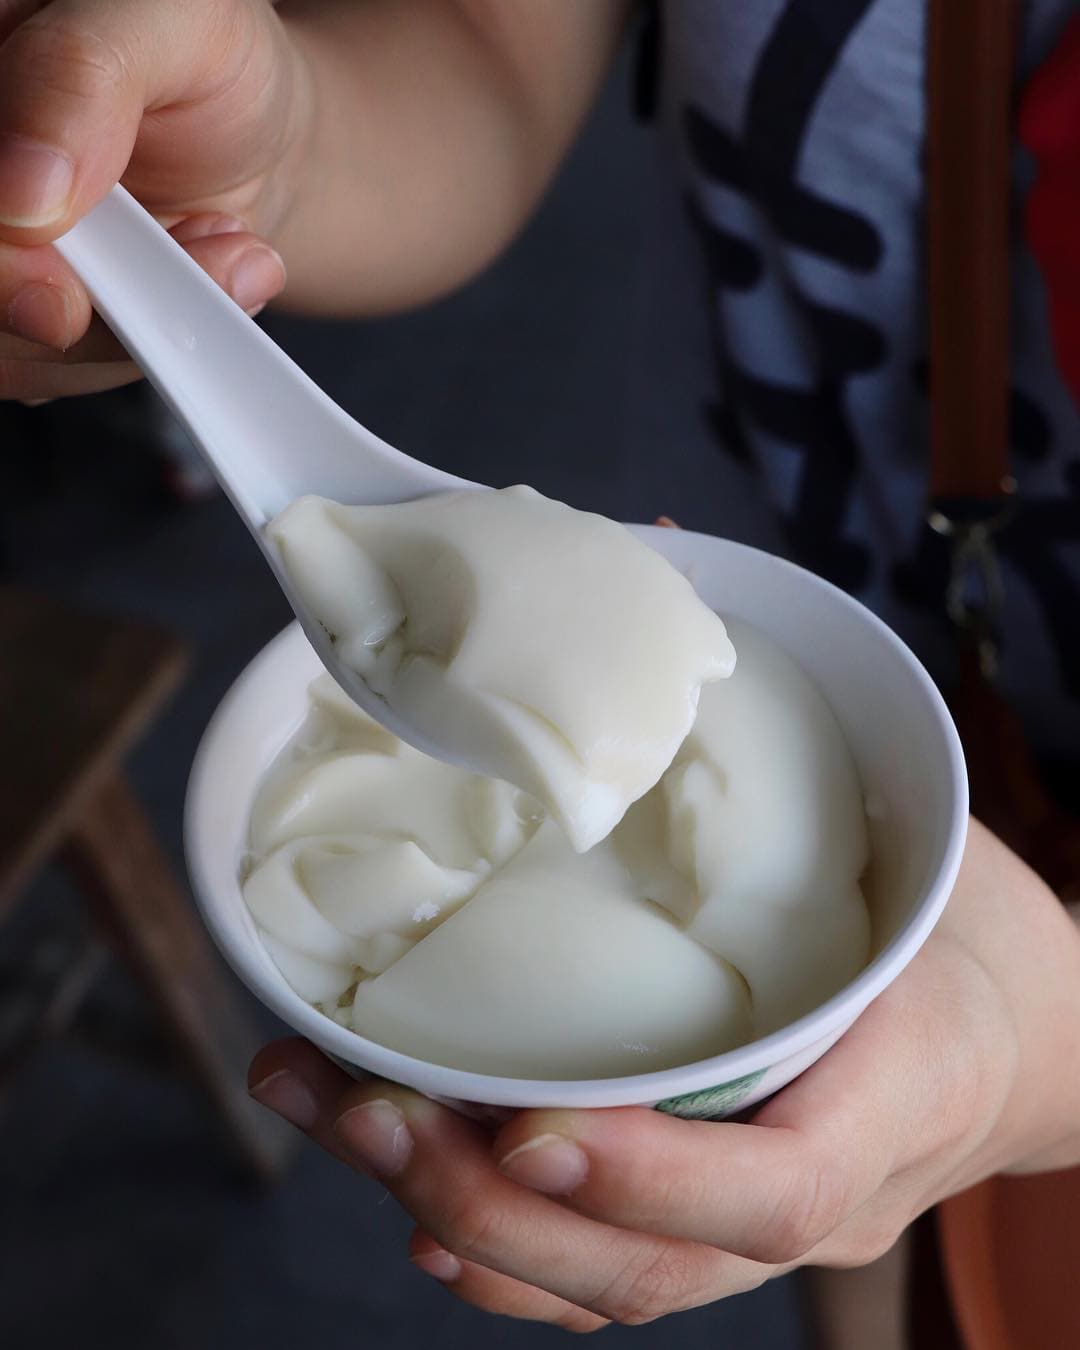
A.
pixel 865 1245
pixel 970 1100
pixel 60 55
pixel 665 1191
pixel 968 1090
pixel 879 1241
pixel 471 1229
pixel 811 1206
pixel 647 1289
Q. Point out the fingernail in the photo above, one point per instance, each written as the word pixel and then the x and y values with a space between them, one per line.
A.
pixel 443 1265
pixel 548 1163
pixel 376 1132
pixel 258 275
pixel 39 313
pixel 289 1096
pixel 35 183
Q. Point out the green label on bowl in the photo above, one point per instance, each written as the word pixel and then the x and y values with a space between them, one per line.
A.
pixel 714 1102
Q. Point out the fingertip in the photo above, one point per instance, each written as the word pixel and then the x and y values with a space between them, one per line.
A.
pixel 442 1265
pixel 583 1127
pixel 376 1134
pixel 48 313
pixel 72 105
pixel 288 1096
pixel 257 276
pixel 495 1293
pixel 427 1255
pixel 242 264
pixel 413 1106
pixel 36 185
pixel 545 1150
pixel 550 1163
pixel 421 1243
pixel 290 1052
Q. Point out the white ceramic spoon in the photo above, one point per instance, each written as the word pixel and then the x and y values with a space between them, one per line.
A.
pixel 267 431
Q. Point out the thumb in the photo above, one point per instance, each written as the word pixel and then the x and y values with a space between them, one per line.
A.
pixel 74 80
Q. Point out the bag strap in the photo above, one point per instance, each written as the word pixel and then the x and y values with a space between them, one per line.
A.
pixel 970 52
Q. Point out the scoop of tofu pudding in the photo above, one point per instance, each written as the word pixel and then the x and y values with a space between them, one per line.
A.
pixel 532 642
pixel 655 855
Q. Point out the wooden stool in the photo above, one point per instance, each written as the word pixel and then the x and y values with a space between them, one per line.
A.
pixel 76 691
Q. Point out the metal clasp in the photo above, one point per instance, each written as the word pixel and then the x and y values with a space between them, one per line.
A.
pixel 975 594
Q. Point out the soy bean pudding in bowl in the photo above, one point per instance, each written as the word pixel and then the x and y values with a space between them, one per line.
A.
pixel 471 953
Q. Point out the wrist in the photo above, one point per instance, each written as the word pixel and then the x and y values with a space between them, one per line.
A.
pixel 1015 984
pixel 1044 1107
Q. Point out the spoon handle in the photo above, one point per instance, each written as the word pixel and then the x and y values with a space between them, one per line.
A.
pixel 268 432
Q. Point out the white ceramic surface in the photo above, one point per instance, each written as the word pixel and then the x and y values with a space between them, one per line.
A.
pixel 267 431
pixel 896 723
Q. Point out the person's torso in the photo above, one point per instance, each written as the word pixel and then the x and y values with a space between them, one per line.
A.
pixel 799 128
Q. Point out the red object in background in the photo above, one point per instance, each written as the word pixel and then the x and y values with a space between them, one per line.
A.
pixel 1050 128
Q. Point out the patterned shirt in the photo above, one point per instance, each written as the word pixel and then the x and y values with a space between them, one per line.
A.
pixel 798 127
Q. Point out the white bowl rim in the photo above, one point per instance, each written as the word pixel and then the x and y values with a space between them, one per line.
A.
pixel 755 1057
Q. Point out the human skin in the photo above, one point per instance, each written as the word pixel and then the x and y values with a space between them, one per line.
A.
pixel 380 153
pixel 383 152
pixel 967 1065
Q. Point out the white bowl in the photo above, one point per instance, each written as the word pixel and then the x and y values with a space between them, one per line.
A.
pixel 896 724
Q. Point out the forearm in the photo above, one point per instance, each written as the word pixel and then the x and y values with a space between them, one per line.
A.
pixel 426 132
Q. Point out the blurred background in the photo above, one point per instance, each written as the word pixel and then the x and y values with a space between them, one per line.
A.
pixel 126 1218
